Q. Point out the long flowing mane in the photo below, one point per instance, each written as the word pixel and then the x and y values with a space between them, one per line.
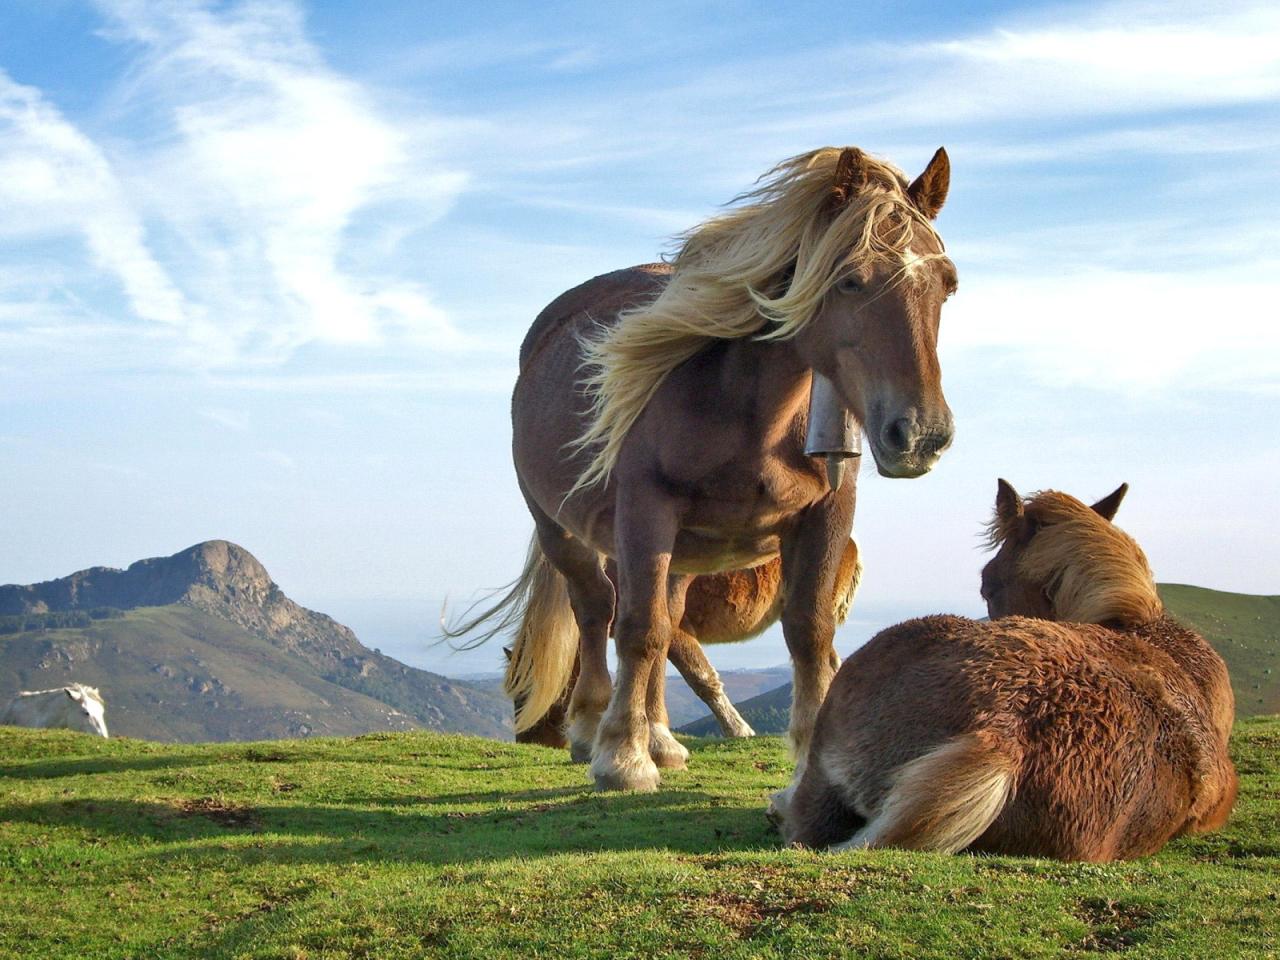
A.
pixel 1094 571
pixel 766 263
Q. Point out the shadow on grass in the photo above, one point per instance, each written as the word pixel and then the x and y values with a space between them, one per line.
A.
pixel 267 752
pixel 87 766
pixel 540 822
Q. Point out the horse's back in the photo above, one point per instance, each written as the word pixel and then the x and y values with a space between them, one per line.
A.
pixel 1092 715
pixel 601 298
pixel 549 408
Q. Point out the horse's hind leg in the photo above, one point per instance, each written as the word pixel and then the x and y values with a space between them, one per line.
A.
pixel 591 692
pixel 687 656
pixel 591 596
pixel 664 748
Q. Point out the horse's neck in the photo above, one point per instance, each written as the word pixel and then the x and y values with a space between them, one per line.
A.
pixel 770 379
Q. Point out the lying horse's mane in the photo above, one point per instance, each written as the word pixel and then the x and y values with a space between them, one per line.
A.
pixel 810 219
pixel 1093 571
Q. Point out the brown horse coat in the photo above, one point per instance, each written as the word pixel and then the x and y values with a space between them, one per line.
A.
pixel 1023 736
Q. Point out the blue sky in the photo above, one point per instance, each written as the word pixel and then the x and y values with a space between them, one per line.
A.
pixel 264 268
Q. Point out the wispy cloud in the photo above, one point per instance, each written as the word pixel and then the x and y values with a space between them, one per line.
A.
pixel 1061 63
pixel 225 211
pixel 55 179
pixel 270 159
pixel 1123 57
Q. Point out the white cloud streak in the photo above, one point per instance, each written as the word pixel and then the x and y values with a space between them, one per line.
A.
pixel 225 212
pixel 54 178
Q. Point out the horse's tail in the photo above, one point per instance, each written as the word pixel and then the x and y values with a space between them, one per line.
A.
pixel 546 643
pixel 536 607
pixel 946 799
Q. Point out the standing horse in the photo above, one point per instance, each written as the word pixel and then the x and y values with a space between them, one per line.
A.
pixel 681 451
pixel 1096 732
pixel 75 707
pixel 725 607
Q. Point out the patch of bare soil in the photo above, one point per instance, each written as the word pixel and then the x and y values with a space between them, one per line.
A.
pixel 225 813
pixel 1113 925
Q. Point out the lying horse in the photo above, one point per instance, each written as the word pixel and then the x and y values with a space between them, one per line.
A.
pixel 660 417
pixel 75 707
pixel 719 608
pixel 1096 731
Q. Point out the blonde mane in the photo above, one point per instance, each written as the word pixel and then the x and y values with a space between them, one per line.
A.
pixel 1093 571
pixel 812 217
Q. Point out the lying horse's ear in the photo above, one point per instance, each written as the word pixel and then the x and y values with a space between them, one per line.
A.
pixel 72 694
pixel 1108 505
pixel 929 190
pixel 851 176
pixel 1008 509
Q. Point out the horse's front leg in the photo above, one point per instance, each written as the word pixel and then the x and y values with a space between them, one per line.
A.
pixel 645 529
pixel 811 556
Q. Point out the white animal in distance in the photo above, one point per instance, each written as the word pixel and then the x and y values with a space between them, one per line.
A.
pixel 76 707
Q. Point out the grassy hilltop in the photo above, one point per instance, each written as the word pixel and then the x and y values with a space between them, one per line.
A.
pixel 420 844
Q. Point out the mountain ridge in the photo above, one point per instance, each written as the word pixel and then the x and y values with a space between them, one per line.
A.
pixel 215 595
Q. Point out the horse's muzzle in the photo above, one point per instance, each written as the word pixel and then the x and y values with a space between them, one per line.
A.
pixel 906 448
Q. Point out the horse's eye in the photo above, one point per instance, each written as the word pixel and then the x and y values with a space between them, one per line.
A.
pixel 849 285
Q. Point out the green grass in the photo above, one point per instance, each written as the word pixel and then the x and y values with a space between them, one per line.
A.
pixel 408 845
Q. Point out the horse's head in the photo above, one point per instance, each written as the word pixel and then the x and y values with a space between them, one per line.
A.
pixel 85 710
pixel 883 278
pixel 1059 559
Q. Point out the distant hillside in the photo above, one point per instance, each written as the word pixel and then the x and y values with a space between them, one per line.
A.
pixel 683 705
pixel 203 645
pixel 769 712
pixel 1243 628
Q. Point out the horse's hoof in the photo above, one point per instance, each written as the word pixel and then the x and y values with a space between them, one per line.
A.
pixel 779 804
pixel 670 759
pixel 639 777
pixel 665 750
pixel 739 731
pixel 580 752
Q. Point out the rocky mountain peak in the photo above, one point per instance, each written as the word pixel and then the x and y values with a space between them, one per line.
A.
pixel 214 568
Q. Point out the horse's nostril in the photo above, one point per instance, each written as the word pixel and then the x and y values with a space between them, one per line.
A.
pixel 897 436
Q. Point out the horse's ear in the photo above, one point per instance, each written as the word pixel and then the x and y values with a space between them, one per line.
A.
pixel 1108 505
pixel 851 176
pixel 1008 509
pixel 72 694
pixel 929 190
